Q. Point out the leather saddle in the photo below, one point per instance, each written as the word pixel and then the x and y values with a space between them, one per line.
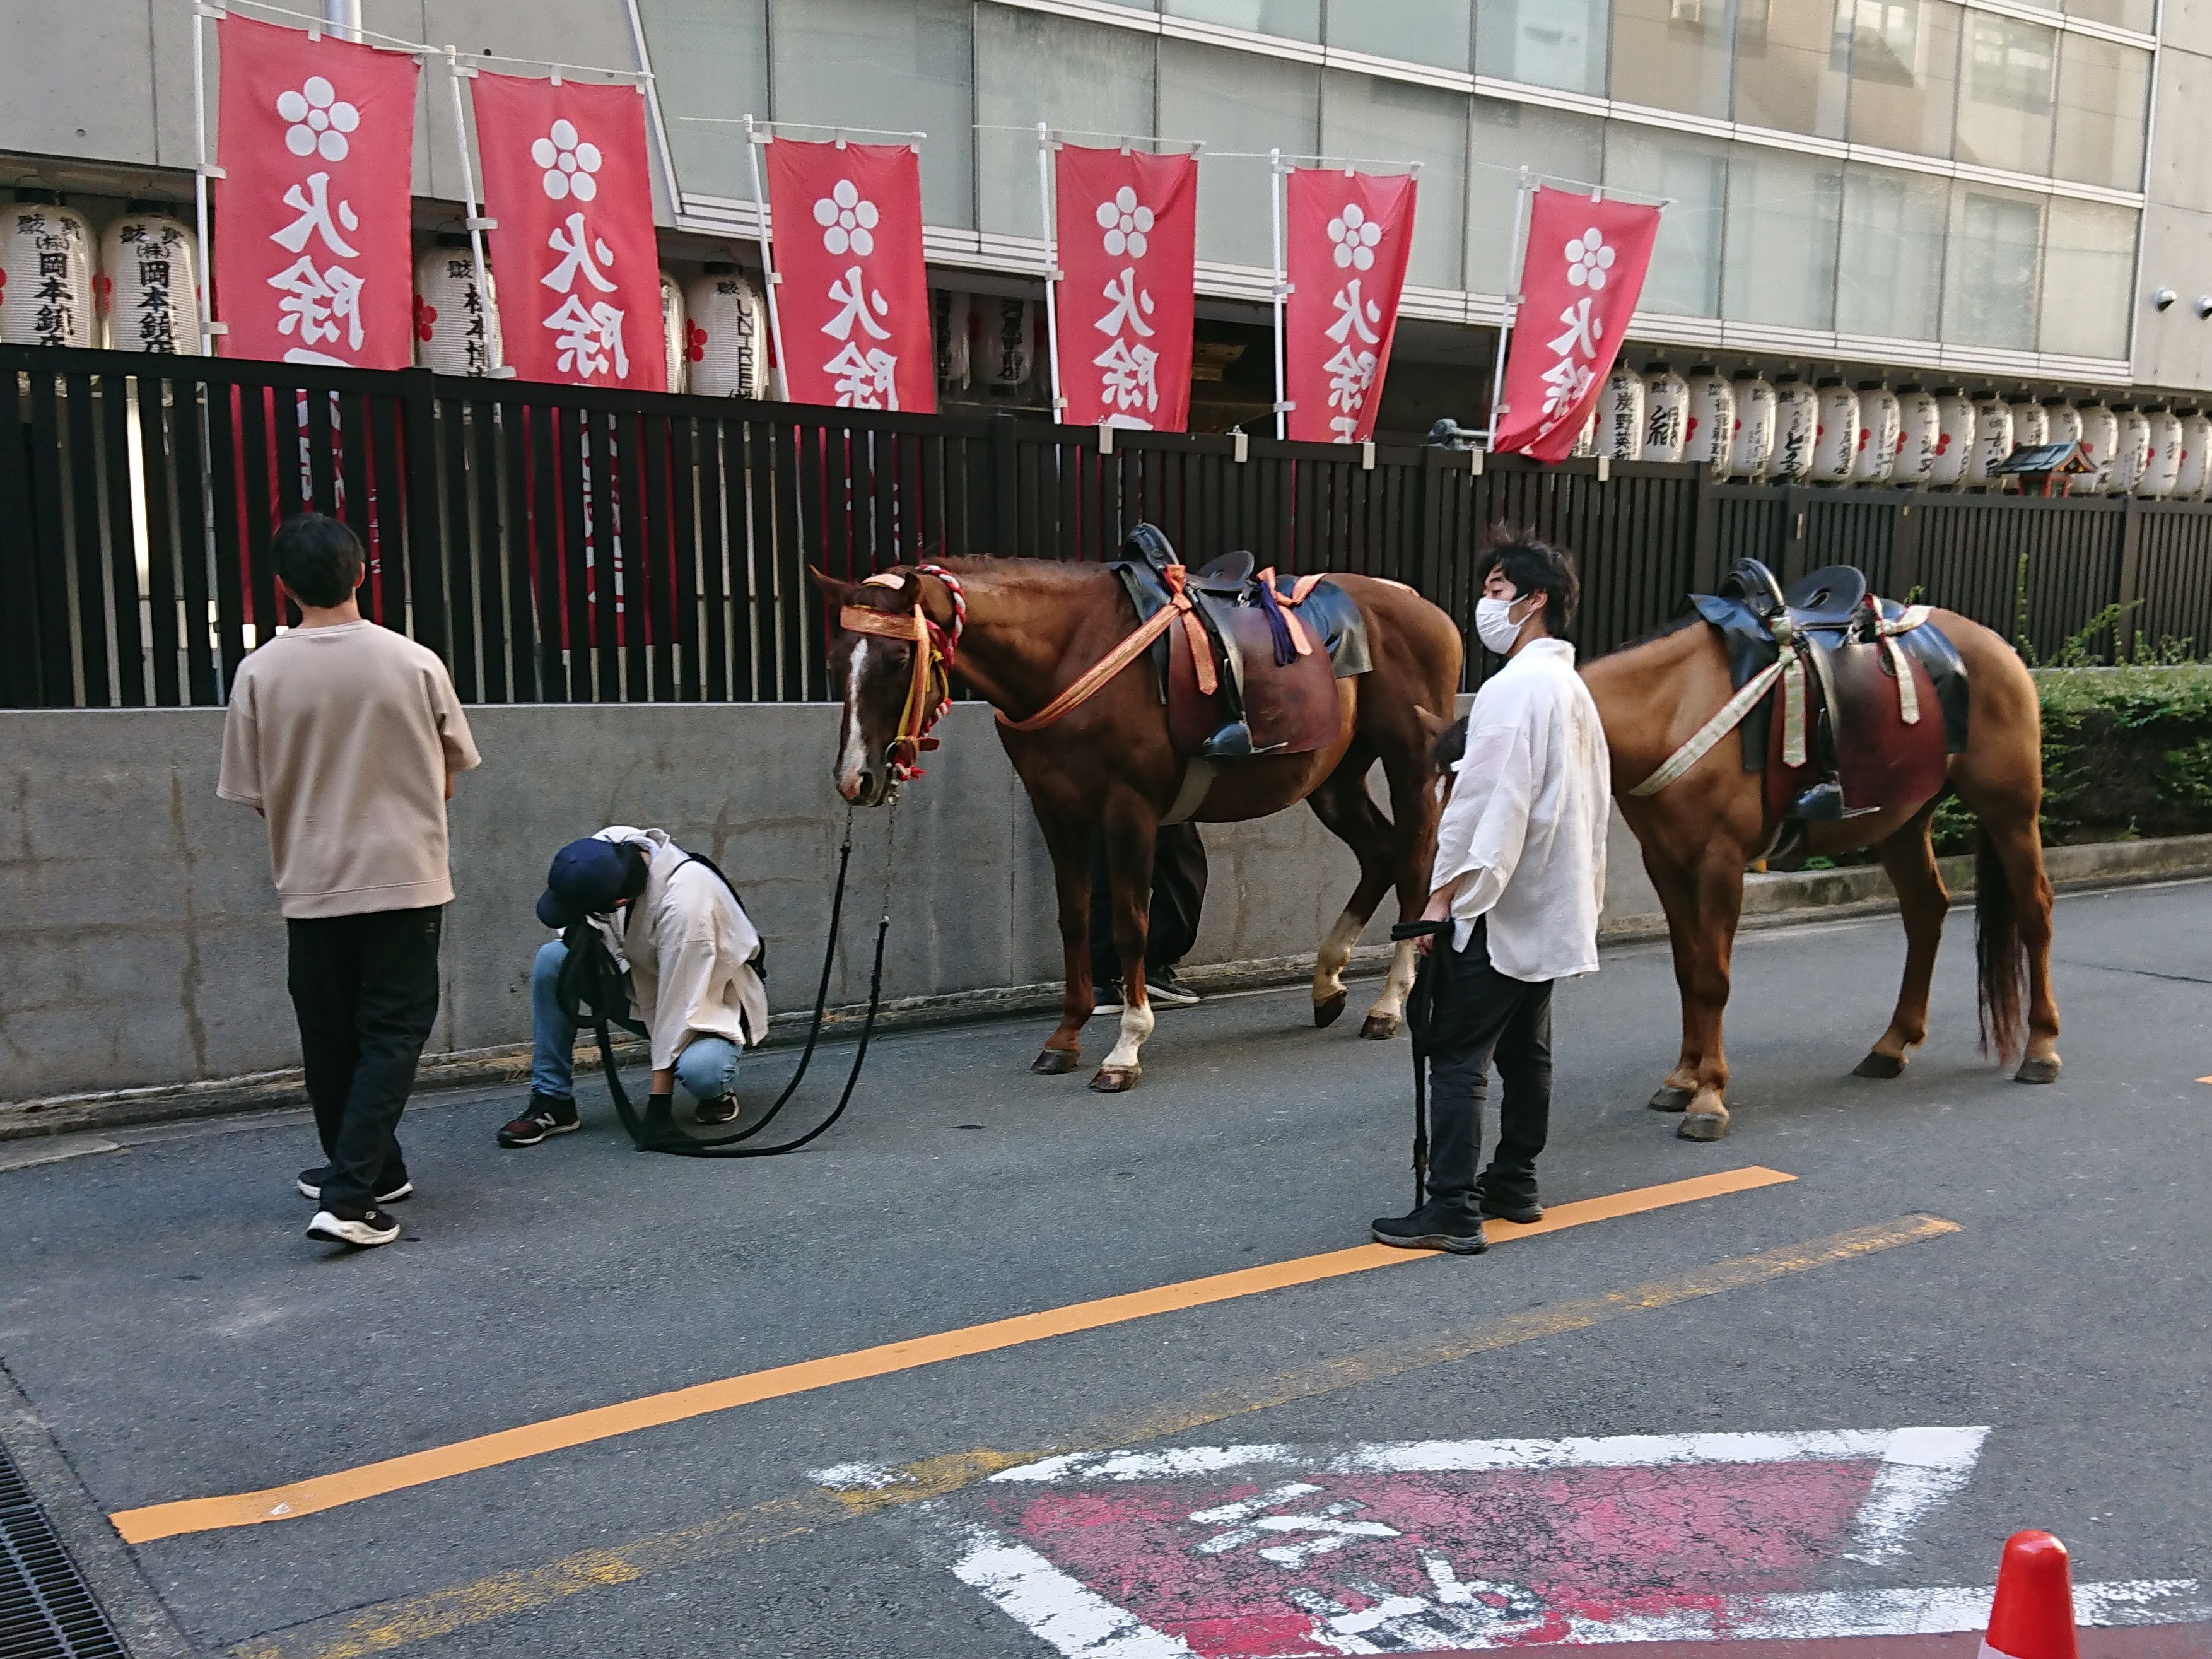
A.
pixel 1883 708
pixel 1269 697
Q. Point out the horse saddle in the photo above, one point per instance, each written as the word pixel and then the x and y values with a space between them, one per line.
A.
pixel 1871 703
pixel 1278 646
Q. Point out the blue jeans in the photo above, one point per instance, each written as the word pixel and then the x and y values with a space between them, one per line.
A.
pixel 708 1067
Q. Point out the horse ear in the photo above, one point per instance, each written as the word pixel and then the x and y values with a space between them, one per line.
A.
pixel 831 588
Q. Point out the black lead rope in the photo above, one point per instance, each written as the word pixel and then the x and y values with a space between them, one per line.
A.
pixel 1421 1013
pixel 663 1137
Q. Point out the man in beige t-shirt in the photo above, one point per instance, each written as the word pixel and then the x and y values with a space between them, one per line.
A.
pixel 345 736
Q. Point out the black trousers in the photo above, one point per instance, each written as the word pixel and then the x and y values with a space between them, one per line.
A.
pixel 366 991
pixel 1178 895
pixel 1480 1016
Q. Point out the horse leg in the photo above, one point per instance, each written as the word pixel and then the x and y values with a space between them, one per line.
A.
pixel 1130 868
pixel 2018 844
pixel 1343 804
pixel 1413 847
pixel 1718 880
pixel 1678 897
pixel 1910 858
pixel 1068 840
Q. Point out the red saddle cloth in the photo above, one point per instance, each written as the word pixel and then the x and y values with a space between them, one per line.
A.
pixel 1881 760
pixel 1292 710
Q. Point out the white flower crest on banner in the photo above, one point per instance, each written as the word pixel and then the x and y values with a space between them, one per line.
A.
pixel 569 162
pixel 1355 235
pixel 321 119
pixel 1588 260
pixel 1126 223
pixel 846 220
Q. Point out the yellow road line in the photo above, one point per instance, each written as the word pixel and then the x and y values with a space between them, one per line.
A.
pixel 360 1632
pixel 324 1492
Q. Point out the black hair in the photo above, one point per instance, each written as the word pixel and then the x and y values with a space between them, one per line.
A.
pixel 319 559
pixel 1534 567
pixel 633 870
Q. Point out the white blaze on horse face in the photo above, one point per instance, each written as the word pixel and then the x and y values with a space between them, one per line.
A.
pixel 853 755
pixel 1136 1025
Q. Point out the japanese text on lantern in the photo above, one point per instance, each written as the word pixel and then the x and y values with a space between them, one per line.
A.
pixel 587 330
pixel 321 303
pixel 153 249
pixel 1351 370
pixel 1129 368
pixel 54 236
pixel 863 374
pixel 1568 380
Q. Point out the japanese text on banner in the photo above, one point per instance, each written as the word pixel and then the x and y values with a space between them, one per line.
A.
pixel 1126 233
pixel 1349 237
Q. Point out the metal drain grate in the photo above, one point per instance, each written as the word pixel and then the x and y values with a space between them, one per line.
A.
pixel 46 1610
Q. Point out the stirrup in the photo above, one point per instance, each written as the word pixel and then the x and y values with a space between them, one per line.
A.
pixel 1824 803
pixel 1232 742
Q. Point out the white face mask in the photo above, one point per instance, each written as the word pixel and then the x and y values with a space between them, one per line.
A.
pixel 1494 625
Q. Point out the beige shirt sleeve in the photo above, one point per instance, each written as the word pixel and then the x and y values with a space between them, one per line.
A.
pixel 454 733
pixel 240 777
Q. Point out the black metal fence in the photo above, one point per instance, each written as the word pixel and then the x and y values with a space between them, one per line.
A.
pixel 557 545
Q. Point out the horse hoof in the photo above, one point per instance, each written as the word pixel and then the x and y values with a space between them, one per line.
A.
pixel 1702 1125
pixel 1670 1099
pixel 1379 1028
pixel 2037 1071
pixel 1056 1062
pixel 1116 1079
pixel 1878 1064
pixel 1326 1013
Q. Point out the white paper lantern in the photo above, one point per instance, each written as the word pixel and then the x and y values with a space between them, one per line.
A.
pixel 1666 412
pixel 675 338
pixel 1880 422
pixel 1008 339
pixel 2131 452
pixel 148 283
pixel 1992 438
pixel 2196 446
pixel 728 330
pixel 1620 415
pixel 2100 438
pixel 45 273
pixel 1919 431
pixel 2162 464
pixel 2030 424
pixel 1796 427
pixel 2062 422
pixel 1835 440
pixel 1586 439
pixel 1955 438
pixel 1754 426
pixel 453 329
pixel 1712 429
pixel 954 316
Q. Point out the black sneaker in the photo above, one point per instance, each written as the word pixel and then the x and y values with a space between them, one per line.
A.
pixel 1161 985
pixel 724 1111
pixel 1433 1227
pixel 310 1183
pixel 546 1117
pixel 1509 1203
pixel 347 1225
pixel 1107 999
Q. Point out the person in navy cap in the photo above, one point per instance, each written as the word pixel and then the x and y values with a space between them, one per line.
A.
pixel 691 961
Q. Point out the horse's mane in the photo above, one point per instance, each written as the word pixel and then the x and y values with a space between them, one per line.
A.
pixel 1665 631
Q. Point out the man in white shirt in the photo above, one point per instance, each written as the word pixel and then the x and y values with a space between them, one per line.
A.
pixel 1520 875
pixel 691 961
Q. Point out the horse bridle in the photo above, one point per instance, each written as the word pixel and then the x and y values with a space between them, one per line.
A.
pixel 934 648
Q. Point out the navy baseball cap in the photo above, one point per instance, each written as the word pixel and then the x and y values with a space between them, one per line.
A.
pixel 586 880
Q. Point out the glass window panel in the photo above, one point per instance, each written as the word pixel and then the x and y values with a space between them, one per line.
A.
pixel 1365 116
pixel 1565 150
pixel 2104 99
pixel 1237 102
pixel 1890 276
pixel 1782 211
pixel 1546 43
pixel 2138 15
pixel 1686 264
pixel 1094 82
pixel 710 60
pixel 1676 54
pixel 1439 31
pixel 2010 71
pixel 1905 73
pixel 904 66
pixel 1989 276
pixel 1792 65
pixel 1294 20
pixel 2088 278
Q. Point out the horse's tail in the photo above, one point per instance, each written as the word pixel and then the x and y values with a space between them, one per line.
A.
pixel 2000 958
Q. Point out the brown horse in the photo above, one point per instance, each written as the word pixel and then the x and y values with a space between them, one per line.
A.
pixel 1699 832
pixel 1032 629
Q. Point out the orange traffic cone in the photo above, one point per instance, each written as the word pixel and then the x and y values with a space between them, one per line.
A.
pixel 2032 1616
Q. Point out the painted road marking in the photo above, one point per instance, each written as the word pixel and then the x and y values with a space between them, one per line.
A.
pixel 324 1492
pixel 398 1623
pixel 1461 1547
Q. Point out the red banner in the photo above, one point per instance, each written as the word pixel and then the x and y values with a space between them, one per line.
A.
pixel 564 174
pixel 1127 226
pixel 852 303
pixel 311 232
pixel 1348 234
pixel 1579 280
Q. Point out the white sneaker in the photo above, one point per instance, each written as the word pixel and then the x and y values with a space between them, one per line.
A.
pixel 372 1226
pixel 1163 988
pixel 1108 998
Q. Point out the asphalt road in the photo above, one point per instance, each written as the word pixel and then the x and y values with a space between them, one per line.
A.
pixel 173 1335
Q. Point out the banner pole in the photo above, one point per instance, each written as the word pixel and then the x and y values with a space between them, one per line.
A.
pixel 1052 272
pixel 1512 308
pixel 1275 204
pixel 476 223
pixel 200 177
pixel 754 140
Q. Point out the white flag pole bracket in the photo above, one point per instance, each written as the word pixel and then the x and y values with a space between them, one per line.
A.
pixel 1105 439
pixel 1052 278
pixel 756 135
pixel 1244 452
pixel 1367 455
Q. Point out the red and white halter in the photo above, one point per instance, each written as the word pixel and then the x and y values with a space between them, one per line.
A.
pixel 934 649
